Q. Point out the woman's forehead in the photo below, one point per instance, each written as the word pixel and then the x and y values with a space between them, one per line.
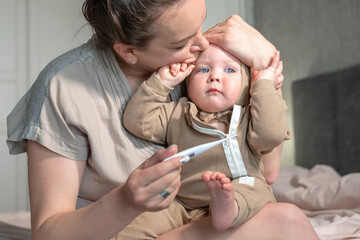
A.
pixel 180 22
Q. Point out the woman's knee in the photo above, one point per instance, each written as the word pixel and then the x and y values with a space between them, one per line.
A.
pixel 288 213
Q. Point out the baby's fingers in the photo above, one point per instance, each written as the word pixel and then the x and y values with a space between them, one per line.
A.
pixel 175 68
pixel 279 74
pixel 183 67
pixel 185 70
pixel 279 82
pixel 189 69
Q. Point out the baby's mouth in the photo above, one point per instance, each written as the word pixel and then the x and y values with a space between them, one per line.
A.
pixel 213 90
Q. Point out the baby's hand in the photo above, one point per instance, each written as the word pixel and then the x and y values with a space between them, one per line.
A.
pixel 174 73
pixel 272 72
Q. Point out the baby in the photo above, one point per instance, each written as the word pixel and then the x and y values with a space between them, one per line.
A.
pixel 227 181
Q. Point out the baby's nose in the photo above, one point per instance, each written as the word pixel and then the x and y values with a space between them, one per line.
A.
pixel 215 77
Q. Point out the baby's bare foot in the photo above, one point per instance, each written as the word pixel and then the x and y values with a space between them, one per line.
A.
pixel 223 207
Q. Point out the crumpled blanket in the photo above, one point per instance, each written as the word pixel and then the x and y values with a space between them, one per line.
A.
pixel 331 201
pixel 15 226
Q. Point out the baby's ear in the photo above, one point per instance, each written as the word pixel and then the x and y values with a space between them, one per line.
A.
pixel 244 96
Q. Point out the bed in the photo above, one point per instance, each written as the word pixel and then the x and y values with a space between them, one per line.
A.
pixel 331 202
pixel 15 226
pixel 325 182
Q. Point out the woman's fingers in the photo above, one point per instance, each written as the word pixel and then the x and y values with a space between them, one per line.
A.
pixel 168 181
pixel 276 59
pixel 162 194
pixel 280 68
pixel 159 156
pixel 154 176
pixel 159 194
pixel 242 41
pixel 150 173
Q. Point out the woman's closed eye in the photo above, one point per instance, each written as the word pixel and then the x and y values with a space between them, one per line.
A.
pixel 183 47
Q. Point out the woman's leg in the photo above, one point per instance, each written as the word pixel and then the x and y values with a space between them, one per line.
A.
pixel 274 221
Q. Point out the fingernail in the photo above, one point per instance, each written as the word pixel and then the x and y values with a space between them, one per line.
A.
pixel 172 145
pixel 184 159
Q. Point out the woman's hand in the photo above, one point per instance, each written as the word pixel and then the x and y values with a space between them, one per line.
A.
pixel 174 74
pixel 242 41
pixel 145 183
pixel 272 72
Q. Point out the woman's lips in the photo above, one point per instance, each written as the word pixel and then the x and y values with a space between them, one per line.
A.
pixel 191 63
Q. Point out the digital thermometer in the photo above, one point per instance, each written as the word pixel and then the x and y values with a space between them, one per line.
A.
pixel 194 151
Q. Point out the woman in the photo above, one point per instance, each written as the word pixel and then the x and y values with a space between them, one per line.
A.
pixel 85 181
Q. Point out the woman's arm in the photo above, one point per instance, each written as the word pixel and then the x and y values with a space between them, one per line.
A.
pixel 54 183
pixel 242 41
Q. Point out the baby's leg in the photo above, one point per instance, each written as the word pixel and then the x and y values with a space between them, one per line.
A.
pixel 223 207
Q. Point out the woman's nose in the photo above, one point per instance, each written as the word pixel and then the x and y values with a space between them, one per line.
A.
pixel 200 43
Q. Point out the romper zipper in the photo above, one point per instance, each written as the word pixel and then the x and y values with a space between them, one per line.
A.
pixel 235 163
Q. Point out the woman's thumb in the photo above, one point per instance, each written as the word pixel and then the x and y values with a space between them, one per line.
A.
pixel 160 155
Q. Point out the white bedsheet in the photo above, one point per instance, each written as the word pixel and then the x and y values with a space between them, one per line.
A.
pixel 331 201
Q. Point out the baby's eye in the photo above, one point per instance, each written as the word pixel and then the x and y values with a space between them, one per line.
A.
pixel 204 70
pixel 229 70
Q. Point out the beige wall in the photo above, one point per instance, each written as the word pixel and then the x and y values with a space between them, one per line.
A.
pixel 313 37
pixel 32 33
pixel 219 11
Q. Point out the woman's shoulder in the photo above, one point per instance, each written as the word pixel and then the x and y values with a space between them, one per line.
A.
pixel 57 73
pixel 77 55
pixel 49 102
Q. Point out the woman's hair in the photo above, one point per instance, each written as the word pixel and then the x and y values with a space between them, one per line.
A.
pixel 126 21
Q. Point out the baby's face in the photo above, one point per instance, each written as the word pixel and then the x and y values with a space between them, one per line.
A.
pixel 214 84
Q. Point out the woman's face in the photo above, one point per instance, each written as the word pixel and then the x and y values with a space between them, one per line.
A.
pixel 179 36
